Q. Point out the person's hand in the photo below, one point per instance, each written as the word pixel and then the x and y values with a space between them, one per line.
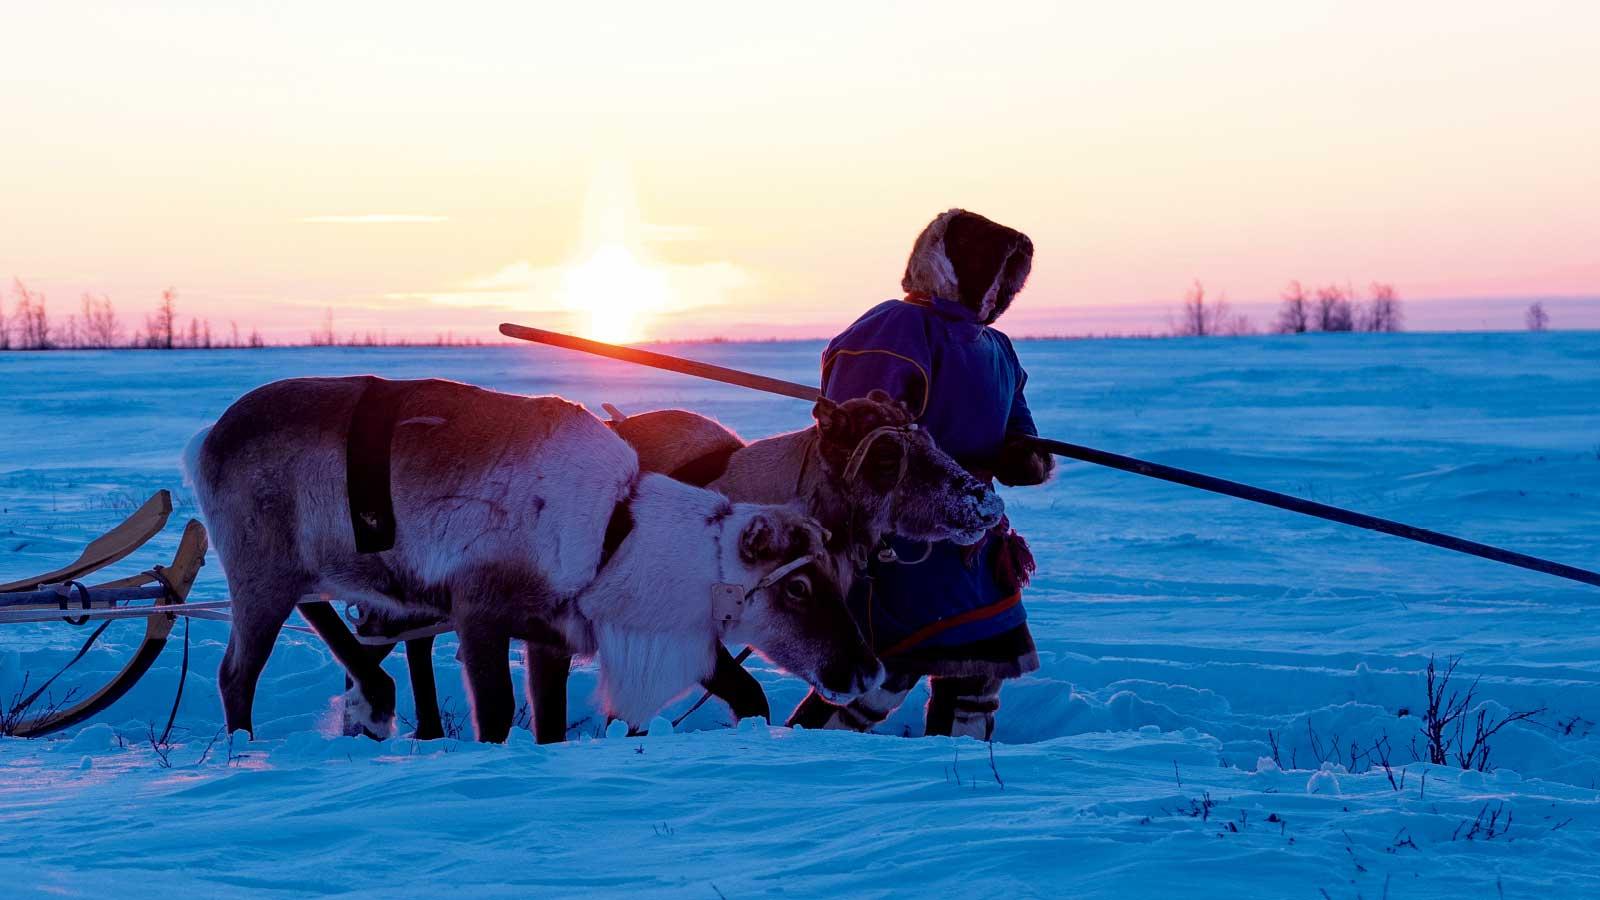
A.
pixel 1020 464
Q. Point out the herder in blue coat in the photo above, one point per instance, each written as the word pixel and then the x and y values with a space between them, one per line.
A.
pixel 957 614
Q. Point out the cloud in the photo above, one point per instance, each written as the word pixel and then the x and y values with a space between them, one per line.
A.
pixel 375 219
pixel 522 285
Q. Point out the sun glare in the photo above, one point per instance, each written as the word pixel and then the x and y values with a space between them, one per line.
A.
pixel 612 285
pixel 616 293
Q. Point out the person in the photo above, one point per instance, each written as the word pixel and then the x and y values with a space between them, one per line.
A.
pixel 945 611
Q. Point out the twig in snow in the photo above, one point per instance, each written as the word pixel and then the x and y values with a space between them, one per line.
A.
pixel 992 768
pixel 207 752
pixel 162 746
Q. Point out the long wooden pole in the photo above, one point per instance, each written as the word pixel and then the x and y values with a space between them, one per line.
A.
pixel 1084 454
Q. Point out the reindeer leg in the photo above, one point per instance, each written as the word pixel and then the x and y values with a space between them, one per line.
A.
pixel 258 616
pixel 548 671
pixel 812 713
pixel 735 686
pixel 862 714
pixel 486 666
pixel 369 691
pixel 424 691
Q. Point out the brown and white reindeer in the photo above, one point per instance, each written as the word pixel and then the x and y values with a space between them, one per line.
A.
pixel 515 518
pixel 862 469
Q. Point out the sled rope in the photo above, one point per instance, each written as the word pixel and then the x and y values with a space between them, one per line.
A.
pixel 28 701
pixel 174 598
pixel 83 597
pixel 183 676
pixel 1082 453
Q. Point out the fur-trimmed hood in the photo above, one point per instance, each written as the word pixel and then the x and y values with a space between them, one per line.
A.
pixel 965 257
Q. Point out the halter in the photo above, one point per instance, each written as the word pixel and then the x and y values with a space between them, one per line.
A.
pixel 728 600
pixel 853 468
pixel 859 455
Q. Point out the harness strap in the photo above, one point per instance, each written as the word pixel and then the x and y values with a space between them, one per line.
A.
pixel 83 596
pixel 618 528
pixel 705 468
pixel 368 449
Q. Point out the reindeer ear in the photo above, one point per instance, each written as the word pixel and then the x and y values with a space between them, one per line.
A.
pixel 761 539
pixel 879 395
pixel 830 417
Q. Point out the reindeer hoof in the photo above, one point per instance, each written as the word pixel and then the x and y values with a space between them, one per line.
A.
pixel 361 720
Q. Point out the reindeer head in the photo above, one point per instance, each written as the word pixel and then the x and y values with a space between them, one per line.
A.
pixel 796 614
pixel 895 478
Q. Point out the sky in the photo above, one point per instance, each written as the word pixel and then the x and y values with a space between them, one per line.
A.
pixel 705 170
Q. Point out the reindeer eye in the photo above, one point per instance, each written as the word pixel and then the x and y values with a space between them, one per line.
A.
pixel 797 588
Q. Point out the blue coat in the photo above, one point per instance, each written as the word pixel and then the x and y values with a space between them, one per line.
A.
pixel 963 381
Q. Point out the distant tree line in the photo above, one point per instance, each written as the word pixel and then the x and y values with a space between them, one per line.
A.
pixel 27 325
pixel 1335 308
pixel 1328 308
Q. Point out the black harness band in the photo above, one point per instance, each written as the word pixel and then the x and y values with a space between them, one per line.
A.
pixel 705 468
pixel 367 462
pixel 618 528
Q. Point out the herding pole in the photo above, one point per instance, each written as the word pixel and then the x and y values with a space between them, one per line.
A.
pixel 1083 454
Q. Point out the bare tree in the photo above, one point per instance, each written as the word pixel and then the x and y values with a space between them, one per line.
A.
pixel 33 323
pixel 325 336
pixel 1294 317
pixel 255 339
pixel 1198 317
pixel 1334 311
pixel 67 335
pixel 5 327
pixel 100 326
pixel 1537 318
pixel 161 326
pixel 1382 311
pixel 233 334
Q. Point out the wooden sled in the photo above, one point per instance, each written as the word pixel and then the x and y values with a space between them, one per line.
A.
pixel 61 595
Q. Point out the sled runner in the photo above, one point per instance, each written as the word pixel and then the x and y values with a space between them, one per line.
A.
pixel 61 595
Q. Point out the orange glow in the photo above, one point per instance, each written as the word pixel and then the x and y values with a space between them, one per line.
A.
pixel 423 174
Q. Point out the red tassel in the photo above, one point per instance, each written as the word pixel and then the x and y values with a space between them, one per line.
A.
pixel 1014 565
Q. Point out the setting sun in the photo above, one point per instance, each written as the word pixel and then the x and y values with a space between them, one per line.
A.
pixel 615 292
pixel 611 284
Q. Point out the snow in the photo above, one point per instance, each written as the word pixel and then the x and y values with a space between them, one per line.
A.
pixel 1181 635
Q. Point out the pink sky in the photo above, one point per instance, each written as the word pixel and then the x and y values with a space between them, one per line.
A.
pixel 766 169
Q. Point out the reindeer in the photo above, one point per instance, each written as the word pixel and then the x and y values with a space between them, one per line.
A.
pixel 513 518
pixel 863 470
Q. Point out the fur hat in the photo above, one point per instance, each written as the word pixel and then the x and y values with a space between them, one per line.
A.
pixel 963 256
